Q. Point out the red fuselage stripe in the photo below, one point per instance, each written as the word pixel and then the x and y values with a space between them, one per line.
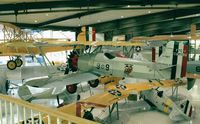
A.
pixel 93 34
pixel 184 61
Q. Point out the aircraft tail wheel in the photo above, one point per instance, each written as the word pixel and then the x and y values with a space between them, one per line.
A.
pixel 94 83
pixel 11 65
pixel 19 62
pixel 71 88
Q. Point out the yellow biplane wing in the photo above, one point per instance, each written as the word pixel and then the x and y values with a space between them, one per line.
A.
pixel 15 48
pixel 116 93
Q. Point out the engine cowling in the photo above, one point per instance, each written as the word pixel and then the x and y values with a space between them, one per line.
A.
pixel 94 83
pixel 71 88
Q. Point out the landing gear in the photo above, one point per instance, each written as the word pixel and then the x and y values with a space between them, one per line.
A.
pixel 71 88
pixel 11 65
pixel 94 83
pixel 19 62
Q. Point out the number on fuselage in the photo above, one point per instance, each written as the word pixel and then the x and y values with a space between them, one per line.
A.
pixel 103 67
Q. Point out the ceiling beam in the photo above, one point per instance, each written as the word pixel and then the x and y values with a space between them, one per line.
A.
pixel 168 26
pixel 34 27
pixel 86 3
pixel 64 18
pixel 144 19
pixel 4 13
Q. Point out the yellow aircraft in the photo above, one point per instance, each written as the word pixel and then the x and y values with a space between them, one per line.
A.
pixel 119 92
pixel 17 45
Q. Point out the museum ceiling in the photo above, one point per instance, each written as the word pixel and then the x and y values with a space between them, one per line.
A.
pixel 116 17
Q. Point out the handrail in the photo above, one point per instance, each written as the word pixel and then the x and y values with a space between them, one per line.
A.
pixel 46 110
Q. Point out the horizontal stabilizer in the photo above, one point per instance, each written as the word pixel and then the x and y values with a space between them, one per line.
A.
pixel 29 93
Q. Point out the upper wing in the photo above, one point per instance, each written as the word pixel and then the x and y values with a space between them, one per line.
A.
pixel 16 48
pixel 90 43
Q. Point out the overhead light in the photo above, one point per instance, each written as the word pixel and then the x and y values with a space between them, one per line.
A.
pixel 122 16
pixel 197 14
pixel 149 11
pixel 128 6
pixel 35 21
pixel 98 20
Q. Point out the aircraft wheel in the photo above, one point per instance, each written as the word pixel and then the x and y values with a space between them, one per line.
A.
pixel 19 62
pixel 71 88
pixel 11 65
pixel 94 83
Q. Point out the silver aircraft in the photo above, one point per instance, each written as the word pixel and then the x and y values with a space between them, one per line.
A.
pixel 171 64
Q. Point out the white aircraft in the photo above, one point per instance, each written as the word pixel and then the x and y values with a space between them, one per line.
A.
pixel 177 112
pixel 170 65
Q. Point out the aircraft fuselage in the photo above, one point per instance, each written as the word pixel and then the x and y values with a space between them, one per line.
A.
pixel 106 64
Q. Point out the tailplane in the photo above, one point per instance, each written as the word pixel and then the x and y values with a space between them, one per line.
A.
pixel 26 94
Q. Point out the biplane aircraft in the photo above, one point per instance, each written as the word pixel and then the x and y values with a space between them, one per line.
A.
pixel 170 65
pixel 148 91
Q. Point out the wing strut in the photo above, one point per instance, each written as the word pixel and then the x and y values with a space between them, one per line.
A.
pixel 43 57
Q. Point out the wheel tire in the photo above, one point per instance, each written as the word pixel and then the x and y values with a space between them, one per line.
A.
pixel 19 62
pixel 93 83
pixel 71 88
pixel 11 65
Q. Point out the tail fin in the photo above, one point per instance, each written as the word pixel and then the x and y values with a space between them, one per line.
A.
pixel 87 34
pixel 183 111
pixel 175 54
